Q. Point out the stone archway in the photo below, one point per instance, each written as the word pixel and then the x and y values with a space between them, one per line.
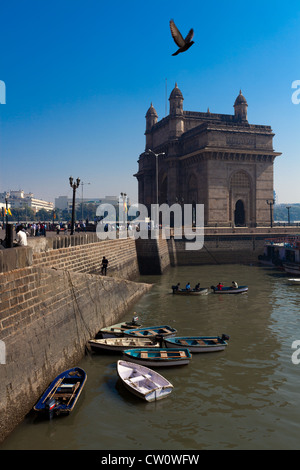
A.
pixel 240 199
pixel 239 214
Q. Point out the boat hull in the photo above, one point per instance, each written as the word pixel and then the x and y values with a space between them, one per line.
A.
pixel 197 344
pixel 158 357
pixel 230 290
pixel 292 268
pixel 203 291
pixel 117 345
pixel 143 382
pixel 151 332
pixel 295 282
pixel 62 394
pixel 117 330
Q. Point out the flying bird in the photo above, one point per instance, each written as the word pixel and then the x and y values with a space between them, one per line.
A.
pixel 183 44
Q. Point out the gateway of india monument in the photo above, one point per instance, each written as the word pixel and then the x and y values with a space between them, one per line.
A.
pixel 219 160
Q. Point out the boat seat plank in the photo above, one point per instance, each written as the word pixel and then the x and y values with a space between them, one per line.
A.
pixel 163 354
pixel 62 395
pixel 144 354
pixel 136 379
pixel 182 354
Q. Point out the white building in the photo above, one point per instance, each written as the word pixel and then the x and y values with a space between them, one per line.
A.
pixel 20 200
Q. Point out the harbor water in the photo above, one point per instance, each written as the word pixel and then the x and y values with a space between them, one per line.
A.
pixel 246 397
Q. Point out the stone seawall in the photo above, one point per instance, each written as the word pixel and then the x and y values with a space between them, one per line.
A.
pixel 220 249
pixel 52 301
pixel 86 257
pixel 46 318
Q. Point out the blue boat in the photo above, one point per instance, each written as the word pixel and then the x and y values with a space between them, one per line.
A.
pixel 230 290
pixel 62 394
pixel 151 332
pixel 158 357
pixel 198 344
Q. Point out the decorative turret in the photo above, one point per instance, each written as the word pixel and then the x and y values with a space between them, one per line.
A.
pixel 176 101
pixel 151 119
pixel 240 108
pixel 176 123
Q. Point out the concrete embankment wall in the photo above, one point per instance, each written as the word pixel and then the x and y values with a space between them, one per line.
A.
pixel 85 254
pixel 220 249
pixel 51 302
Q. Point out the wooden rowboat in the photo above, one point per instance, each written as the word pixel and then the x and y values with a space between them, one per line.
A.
pixel 198 344
pixel 62 394
pixel 202 291
pixel 151 332
pixel 230 290
pixel 119 344
pixel 158 357
pixel 143 382
pixel 117 330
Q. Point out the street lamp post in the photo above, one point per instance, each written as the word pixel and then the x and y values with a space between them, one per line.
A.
pixel 74 185
pixel 150 152
pixel 124 196
pixel 288 209
pixel 271 204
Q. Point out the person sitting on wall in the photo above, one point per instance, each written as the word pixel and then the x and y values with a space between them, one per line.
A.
pixel 21 239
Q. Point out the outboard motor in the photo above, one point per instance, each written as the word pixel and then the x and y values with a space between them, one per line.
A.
pixel 50 406
pixel 160 339
pixel 225 337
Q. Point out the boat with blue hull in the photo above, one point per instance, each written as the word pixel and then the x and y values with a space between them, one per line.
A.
pixel 151 332
pixel 198 344
pixel 117 330
pixel 158 357
pixel 229 290
pixel 62 394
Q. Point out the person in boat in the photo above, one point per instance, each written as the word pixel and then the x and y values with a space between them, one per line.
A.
pixel 188 286
pixel 220 286
pixel 234 285
pixel 176 288
pixel 197 286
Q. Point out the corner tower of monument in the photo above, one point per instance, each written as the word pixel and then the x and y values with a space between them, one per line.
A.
pixel 219 160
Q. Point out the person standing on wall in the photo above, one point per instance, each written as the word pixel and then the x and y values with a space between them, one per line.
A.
pixel 104 266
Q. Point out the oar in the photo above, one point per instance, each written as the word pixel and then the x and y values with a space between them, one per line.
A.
pixel 55 387
pixel 75 388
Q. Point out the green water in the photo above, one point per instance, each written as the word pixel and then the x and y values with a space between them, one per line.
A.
pixel 246 397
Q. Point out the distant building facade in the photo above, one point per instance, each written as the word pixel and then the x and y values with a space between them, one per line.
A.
pixel 65 202
pixel 218 160
pixel 20 200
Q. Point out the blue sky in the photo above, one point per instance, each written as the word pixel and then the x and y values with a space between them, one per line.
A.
pixel 80 77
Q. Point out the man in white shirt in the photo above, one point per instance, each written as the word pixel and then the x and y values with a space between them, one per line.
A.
pixel 21 239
